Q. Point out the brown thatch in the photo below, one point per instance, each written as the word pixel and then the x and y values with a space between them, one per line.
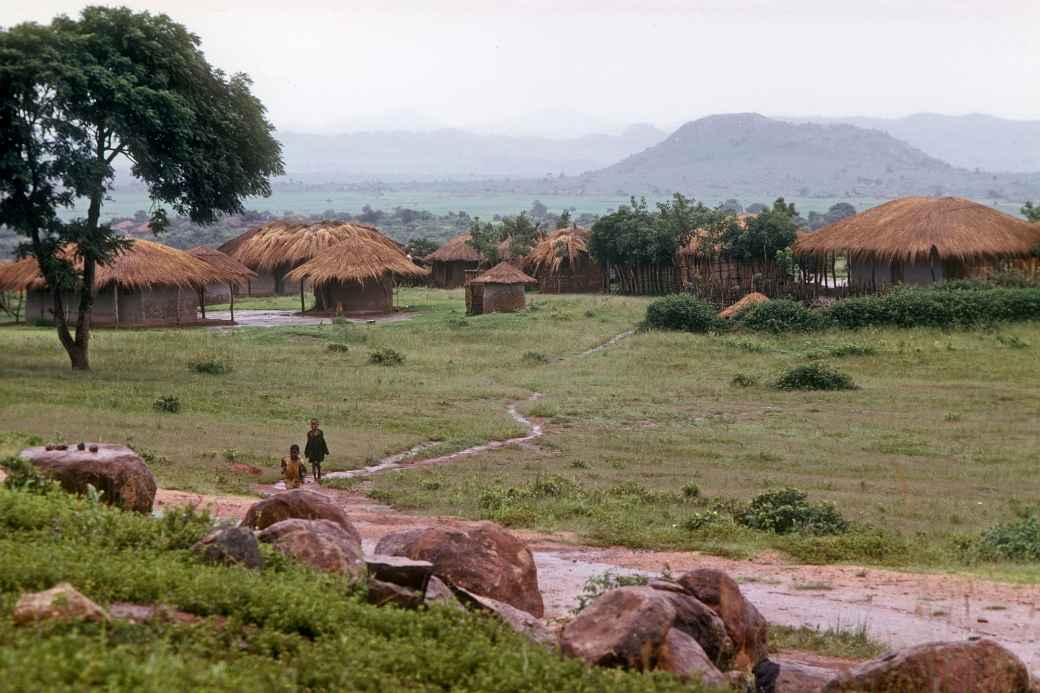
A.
pixel 233 270
pixel 504 273
pixel 750 300
pixel 145 264
pixel 288 244
pixel 458 249
pixel 564 244
pixel 912 228
pixel 357 259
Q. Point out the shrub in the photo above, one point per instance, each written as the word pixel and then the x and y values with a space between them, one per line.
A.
pixel 23 476
pixel 597 585
pixel 209 367
pixel 1018 540
pixel 534 358
pixel 168 404
pixel 701 520
pixel 814 376
pixel 386 357
pixel 780 315
pixel 681 312
pixel 691 490
pixel 744 380
pixel 937 307
pixel 788 511
pixel 338 348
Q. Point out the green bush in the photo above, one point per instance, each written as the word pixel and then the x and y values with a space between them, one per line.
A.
pixel 682 312
pixel 337 348
pixel 779 315
pixel 814 376
pixel 937 307
pixel 744 380
pixel 597 585
pixel 209 367
pixel 168 404
pixel 386 357
pixel 1018 540
pixel 534 358
pixel 789 511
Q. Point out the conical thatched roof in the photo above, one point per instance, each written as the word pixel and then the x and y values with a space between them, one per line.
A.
pixel 145 264
pixel 233 270
pixel 564 244
pixel 357 259
pixel 457 249
pixel 288 244
pixel 910 227
pixel 504 273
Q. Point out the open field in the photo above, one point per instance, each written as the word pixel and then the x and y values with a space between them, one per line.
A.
pixel 643 440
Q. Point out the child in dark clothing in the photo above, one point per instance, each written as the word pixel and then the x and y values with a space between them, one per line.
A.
pixel 316 450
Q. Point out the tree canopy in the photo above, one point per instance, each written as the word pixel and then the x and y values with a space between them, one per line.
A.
pixel 80 93
pixel 1031 212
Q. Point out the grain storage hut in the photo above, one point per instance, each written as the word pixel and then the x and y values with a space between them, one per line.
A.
pixel 238 276
pixel 448 264
pixel 356 276
pixel 499 290
pixel 924 240
pixel 147 284
pixel 562 264
pixel 275 249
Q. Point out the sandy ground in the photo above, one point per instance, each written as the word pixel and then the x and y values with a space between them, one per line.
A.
pixel 897 608
pixel 284 318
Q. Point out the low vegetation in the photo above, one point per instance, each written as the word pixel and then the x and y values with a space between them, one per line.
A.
pixel 836 641
pixel 680 312
pixel 814 376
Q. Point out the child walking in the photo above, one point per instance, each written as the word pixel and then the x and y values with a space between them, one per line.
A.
pixel 292 468
pixel 316 450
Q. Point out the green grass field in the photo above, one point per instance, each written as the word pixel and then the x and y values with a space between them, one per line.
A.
pixel 940 442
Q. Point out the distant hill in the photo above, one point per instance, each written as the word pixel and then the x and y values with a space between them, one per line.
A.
pixel 451 153
pixel 751 155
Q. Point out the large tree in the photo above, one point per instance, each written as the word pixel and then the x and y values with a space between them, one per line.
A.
pixel 77 95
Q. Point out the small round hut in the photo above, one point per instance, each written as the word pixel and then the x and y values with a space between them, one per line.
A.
pixel 562 264
pixel 273 250
pixel 356 276
pixel 147 284
pixel 448 264
pixel 923 240
pixel 238 275
pixel 499 290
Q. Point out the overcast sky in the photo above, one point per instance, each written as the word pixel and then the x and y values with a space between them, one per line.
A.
pixel 563 67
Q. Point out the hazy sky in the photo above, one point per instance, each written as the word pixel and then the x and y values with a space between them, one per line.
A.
pixel 568 67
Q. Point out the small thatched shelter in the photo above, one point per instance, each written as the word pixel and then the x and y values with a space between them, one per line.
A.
pixel 562 264
pixel 923 240
pixel 147 284
pixel 448 264
pixel 500 289
pixel 276 248
pixel 238 277
pixel 356 276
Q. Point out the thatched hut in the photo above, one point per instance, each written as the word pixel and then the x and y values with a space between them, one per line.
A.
pixel 562 264
pixel 147 284
pixel 448 264
pixel 238 277
pixel 923 240
pixel 499 290
pixel 356 276
pixel 274 249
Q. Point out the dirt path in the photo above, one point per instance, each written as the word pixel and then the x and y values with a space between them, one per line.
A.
pixel 284 318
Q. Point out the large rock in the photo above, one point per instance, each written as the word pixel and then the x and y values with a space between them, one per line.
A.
pixel 230 546
pixel 382 593
pixel 702 624
pixel 298 504
pixel 744 624
pixel 400 571
pixel 437 592
pixel 322 544
pixel 682 655
pixel 520 621
pixel 60 603
pixel 484 559
pixel 115 470
pixel 625 627
pixel 784 676
pixel 979 666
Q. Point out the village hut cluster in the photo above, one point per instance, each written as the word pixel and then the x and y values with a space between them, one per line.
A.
pixel 562 264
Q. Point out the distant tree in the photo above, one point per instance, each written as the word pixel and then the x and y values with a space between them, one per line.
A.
pixel 538 210
pixel 370 216
pixel 420 247
pixel 632 236
pixel 764 235
pixel 77 94
pixel 839 211
pixel 682 217
pixel 732 206
pixel 564 220
pixel 485 237
pixel 521 232
pixel 1031 212
pixel 755 208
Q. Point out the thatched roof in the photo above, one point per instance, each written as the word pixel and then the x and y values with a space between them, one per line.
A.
pixel 457 249
pixel 910 227
pixel 145 264
pixel 357 259
pixel 288 244
pixel 233 270
pixel 564 244
pixel 504 273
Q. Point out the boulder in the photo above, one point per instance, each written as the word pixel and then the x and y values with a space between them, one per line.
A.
pixel 60 603
pixel 484 559
pixel 744 624
pixel 383 593
pixel 400 571
pixel 682 655
pixel 625 627
pixel 122 477
pixel 784 676
pixel 230 546
pixel 299 504
pixel 439 593
pixel 980 666
pixel 520 621
pixel 703 625
pixel 322 544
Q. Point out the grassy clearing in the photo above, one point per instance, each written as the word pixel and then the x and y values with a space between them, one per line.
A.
pixel 848 642
pixel 940 442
